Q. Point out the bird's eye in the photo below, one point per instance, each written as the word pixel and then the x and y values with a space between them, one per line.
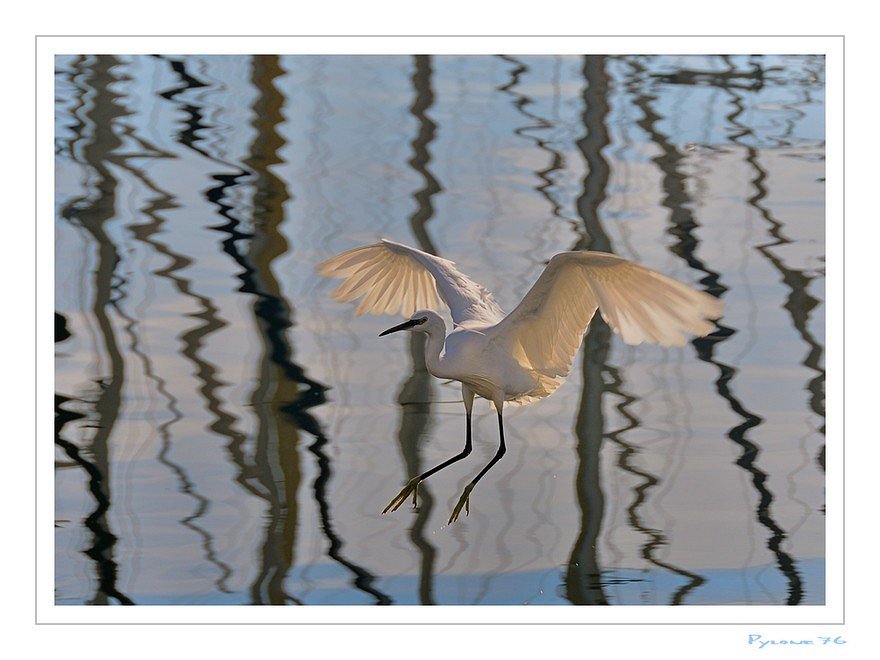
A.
pixel 424 319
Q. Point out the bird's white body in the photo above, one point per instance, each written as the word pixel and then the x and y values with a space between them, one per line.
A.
pixel 523 356
pixel 476 358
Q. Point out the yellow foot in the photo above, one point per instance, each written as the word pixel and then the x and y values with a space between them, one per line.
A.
pixel 463 501
pixel 412 486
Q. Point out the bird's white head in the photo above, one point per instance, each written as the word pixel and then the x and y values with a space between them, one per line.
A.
pixel 424 320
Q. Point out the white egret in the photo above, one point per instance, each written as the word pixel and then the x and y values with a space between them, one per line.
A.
pixel 523 356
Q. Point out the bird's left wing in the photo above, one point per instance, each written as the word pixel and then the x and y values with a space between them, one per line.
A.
pixel 546 328
pixel 396 278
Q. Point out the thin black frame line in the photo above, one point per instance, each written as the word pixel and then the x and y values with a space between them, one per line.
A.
pixel 842 37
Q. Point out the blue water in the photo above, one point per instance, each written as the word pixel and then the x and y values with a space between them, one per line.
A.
pixel 227 433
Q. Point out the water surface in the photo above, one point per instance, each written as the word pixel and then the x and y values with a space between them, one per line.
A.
pixel 226 433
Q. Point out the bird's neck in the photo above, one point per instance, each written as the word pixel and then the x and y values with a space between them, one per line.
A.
pixel 433 348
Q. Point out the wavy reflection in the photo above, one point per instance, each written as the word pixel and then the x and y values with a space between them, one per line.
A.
pixel 656 538
pixel 291 390
pixel 91 212
pixel 285 392
pixel 583 578
pixel 189 312
pixel 223 421
pixel 192 341
pixel 103 539
pixel 522 102
pixel 546 188
pixel 798 304
pixel 590 422
pixel 187 486
pixel 277 438
pixel 752 79
pixel 417 391
pixel 189 133
pixel 682 226
pixel 424 99
pixel 786 562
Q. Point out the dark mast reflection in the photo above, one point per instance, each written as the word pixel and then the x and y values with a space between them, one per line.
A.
pixel 273 315
pixel 293 392
pixel 799 303
pixel 192 340
pixel 224 421
pixel 682 226
pixel 787 564
pixel 417 392
pixel 257 479
pixel 193 123
pixel 532 131
pixel 583 578
pixel 584 574
pixel 557 162
pixel 655 537
pixel 277 436
pixel 91 212
pixel 187 486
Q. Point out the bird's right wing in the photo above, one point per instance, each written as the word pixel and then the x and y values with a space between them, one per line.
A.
pixel 546 328
pixel 396 278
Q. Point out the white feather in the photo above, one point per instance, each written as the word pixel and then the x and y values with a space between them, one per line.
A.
pixel 526 355
pixel 546 328
pixel 396 278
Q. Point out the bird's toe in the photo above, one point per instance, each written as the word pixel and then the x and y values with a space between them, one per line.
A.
pixel 412 486
pixel 463 502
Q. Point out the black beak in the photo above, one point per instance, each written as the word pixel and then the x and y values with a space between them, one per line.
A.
pixel 402 326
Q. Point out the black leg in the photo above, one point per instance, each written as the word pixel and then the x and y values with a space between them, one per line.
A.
pixel 412 485
pixel 463 501
pixel 457 457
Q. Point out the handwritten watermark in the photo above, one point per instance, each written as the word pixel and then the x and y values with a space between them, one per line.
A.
pixel 760 641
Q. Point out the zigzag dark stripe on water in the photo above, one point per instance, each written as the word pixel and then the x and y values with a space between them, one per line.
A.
pixel 799 303
pixel 423 101
pixel 682 227
pixel 193 340
pixel 417 391
pixel 104 539
pixel 786 563
pixel 274 313
pixel 194 122
pixel 521 102
pixel 91 212
pixel 583 579
pixel 531 131
pixel 627 450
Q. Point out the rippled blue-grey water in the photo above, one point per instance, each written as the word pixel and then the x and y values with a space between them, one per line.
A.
pixel 226 433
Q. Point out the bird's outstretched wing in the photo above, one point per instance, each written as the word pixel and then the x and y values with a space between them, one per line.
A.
pixel 396 278
pixel 546 328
